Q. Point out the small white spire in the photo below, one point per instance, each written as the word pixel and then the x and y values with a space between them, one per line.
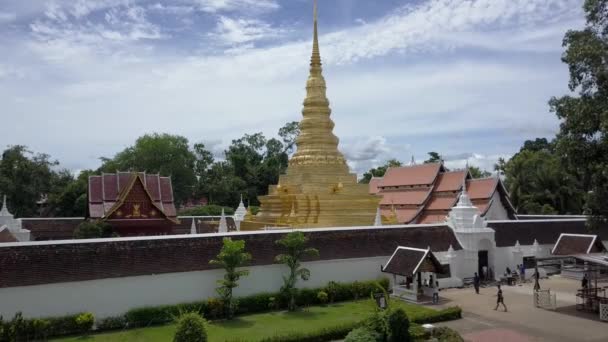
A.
pixel 193 226
pixel 223 227
pixel 517 247
pixel 378 219
pixel 4 211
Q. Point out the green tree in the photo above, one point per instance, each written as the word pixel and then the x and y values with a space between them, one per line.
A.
pixel 69 197
pixel 538 184
pixel 168 155
pixel 379 171
pixel 25 177
pixel 478 173
pixel 434 157
pixel 289 134
pixel 231 257
pixel 294 244
pixel 582 141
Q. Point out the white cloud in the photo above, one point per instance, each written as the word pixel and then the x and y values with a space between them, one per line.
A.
pixel 247 6
pixel 7 17
pixel 102 79
pixel 237 31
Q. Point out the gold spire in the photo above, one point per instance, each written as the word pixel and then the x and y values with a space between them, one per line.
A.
pixel 316 143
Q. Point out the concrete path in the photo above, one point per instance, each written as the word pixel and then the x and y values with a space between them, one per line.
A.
pixel 522 321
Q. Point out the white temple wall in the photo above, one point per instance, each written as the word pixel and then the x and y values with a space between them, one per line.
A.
pixel 496 211
pixel 115 296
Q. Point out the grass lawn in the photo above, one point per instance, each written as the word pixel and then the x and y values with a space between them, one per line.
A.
pixel 258 326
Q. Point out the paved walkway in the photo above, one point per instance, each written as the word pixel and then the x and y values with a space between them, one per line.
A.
pixel 522 321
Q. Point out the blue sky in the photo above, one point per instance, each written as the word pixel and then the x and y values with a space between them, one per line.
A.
pixel 467 78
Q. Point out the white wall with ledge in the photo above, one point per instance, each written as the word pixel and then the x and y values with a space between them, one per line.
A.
pixel 115 296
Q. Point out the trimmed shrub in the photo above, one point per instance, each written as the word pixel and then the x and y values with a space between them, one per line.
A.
pixel 40 328
pixel 448 314
pixel 65 325
pixel 363 335
pixel 112 323
pixel 215 308
pixel 398 326
pixel 206 210
pixel 322 297
pixel 85 322
pixel 256 303
pixel 418 333
pixel 147 316
pixel 326 334
pixel 190 328
pixel 445 334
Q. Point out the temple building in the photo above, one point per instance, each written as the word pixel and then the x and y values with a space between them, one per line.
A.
pixel 426 193
pixel 318 189
pixel 133 203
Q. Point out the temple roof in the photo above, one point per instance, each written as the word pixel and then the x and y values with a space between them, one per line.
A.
pixel 569 244
pixel 434 191
pixel 105 192
pixel 407 261
pixel 424 174
pixel 6 235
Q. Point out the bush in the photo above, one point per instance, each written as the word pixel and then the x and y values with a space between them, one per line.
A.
pixel 445 334
pixel 190 328
pixel 92 230
pixel 257 303
pixel 22 329
pixel 112 323
pixel 207 210
pixel 85 321
pixel 215 308
pixel 398 326
pixel 322 297
pixel 363 335
pixel 41 328
pixel 448 314
pixel 143 317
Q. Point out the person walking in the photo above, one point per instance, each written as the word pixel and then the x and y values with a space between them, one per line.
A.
pixel 536 277
pixel 484 273
pixel 436 293
pixel 476 283
pixel 523 273
pixel 500 299
pixel 585 281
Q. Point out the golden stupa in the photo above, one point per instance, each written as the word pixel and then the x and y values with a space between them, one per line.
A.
pixel 317 189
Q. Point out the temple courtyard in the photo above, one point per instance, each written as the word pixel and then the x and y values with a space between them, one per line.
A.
pixel 523 321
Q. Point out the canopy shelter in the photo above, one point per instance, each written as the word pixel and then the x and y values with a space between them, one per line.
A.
pixel 583 257
pixel 414 272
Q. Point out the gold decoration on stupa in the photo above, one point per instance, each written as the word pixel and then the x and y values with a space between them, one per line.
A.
pixel 317 189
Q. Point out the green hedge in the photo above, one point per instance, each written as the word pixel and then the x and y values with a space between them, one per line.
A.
pixel 448 314
pixel 21 329
pixel 212 308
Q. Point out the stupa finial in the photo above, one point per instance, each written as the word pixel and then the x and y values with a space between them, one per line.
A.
pixel 4 211
pixel 315 60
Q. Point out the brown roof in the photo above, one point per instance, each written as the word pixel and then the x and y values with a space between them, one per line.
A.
pixel 450 181
pixel 404 215
pixel 424 174
pixel 481 188
pixel 569 244
pixel 105 192
pixel 373 185
pixel 6 235
pixel 432 216
pixel 407 261
pixel 546 232
pixel 414 196
pixel 441 202
pixel 80 260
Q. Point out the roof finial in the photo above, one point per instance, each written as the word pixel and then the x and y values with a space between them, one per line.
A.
pixel 413 161
pixel 315 60
pixel 4 211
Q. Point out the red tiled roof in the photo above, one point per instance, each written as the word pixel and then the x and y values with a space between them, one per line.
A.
pixel 450 181
pixel 404 215
pixel 373 185
pixel 417 196
pixel 433 216
pixel 105 189
pixel 441 202
pixel 424 174
pixel 482 205
pixel 481 188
